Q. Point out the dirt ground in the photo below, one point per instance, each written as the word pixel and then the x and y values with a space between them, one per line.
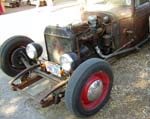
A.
pixel 130 97
pixel 24 6
pixel 18 9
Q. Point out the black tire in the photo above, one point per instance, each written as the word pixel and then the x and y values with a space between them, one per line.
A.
pixel 7 49
pixel 74 95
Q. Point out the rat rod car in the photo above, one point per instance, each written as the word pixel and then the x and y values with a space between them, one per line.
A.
pixel 77 54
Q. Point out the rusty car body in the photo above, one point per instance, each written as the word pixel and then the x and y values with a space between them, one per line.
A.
pixel 78 53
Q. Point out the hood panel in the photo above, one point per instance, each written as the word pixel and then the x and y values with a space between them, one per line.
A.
pixel 101 14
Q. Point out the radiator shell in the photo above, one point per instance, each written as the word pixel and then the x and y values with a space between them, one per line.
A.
pixel 58 40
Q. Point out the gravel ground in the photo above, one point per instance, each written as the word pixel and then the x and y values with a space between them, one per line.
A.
pixel 130 98
pixel 14 105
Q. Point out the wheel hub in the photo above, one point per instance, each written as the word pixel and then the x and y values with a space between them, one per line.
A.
pixel 15 58
pixel 95 90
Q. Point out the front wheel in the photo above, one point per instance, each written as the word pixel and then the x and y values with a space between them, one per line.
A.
pixel 10 54
pixel 89 87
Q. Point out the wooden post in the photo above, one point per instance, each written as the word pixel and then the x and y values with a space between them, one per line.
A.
pixel 48 3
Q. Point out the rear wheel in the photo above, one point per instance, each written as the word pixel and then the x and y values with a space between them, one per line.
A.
pixel 89 87
pixel 11 52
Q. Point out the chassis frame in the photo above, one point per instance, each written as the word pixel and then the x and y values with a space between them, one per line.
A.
pixel 49 99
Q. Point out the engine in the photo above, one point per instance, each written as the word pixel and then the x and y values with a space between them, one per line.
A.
pixel 93 36
pixel 98 35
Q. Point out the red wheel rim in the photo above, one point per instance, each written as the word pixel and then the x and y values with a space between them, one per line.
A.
pixel 86 103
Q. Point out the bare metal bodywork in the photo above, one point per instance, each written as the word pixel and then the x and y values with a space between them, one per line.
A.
pixel 128 26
